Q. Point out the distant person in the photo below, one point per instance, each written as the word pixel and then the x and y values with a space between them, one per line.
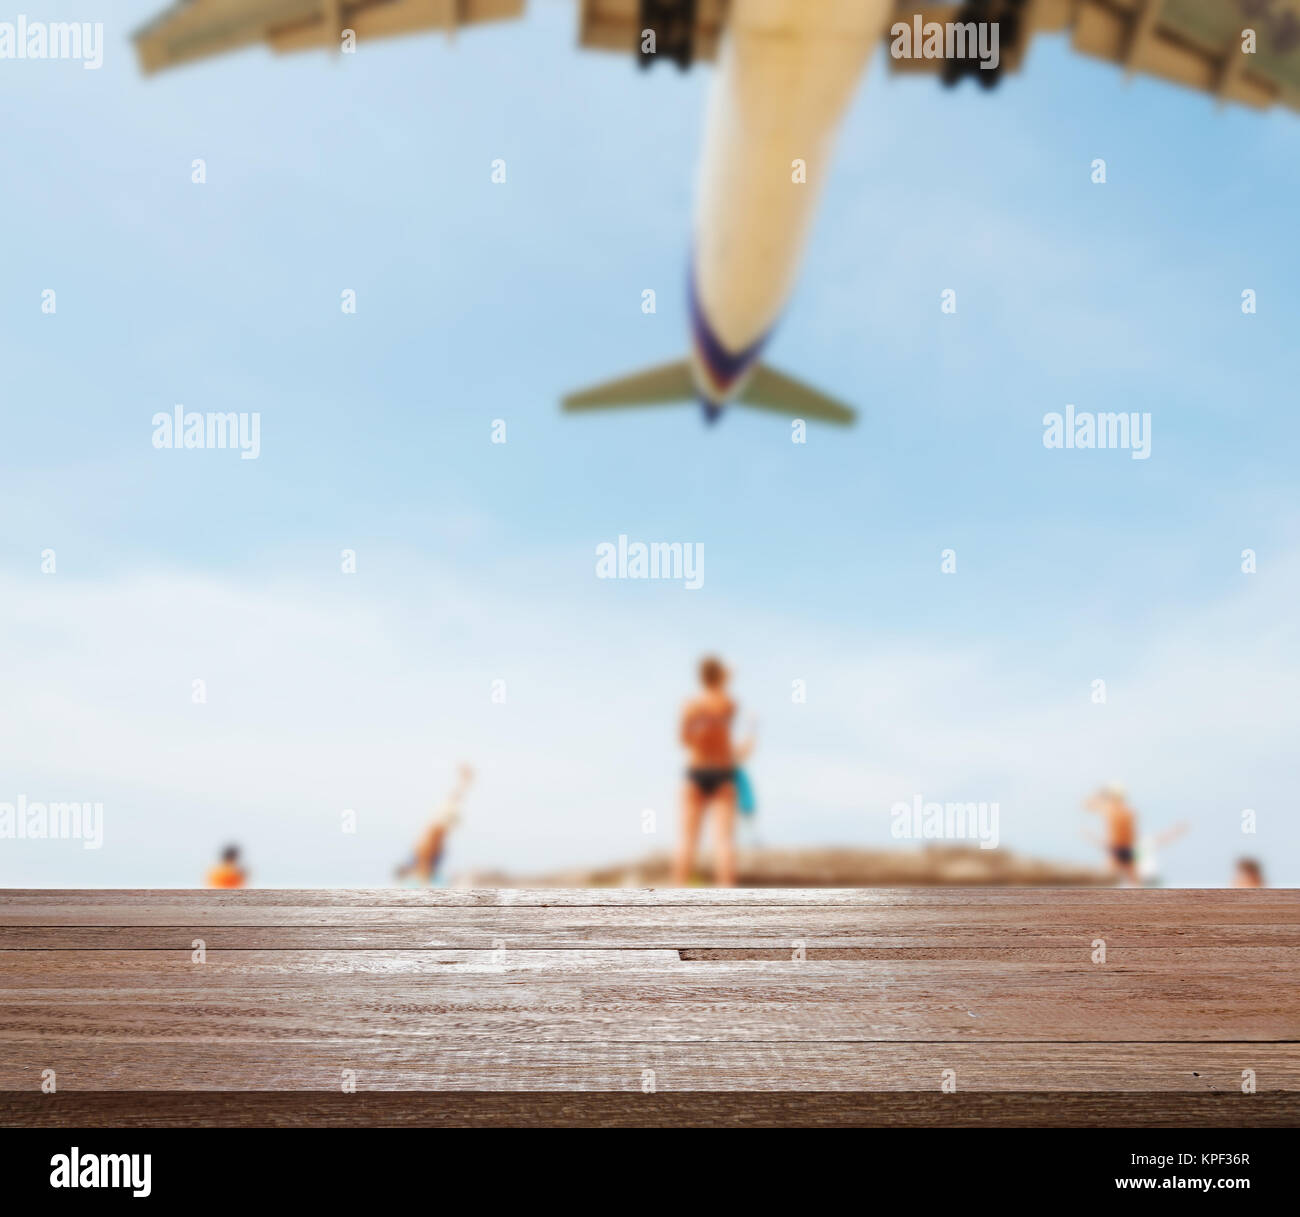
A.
pixel 1120 823
pixel 710 775
pixel 423 865
pixel 1249 873
pixel 228 872
pixel 1148 847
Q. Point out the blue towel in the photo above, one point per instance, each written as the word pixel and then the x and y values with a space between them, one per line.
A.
pixel 745 794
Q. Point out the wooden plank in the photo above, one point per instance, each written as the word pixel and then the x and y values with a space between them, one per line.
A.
pixel 414 1064
pixel 914 939
pixel 634 924
pixel 1163 957
pixel 749 1000
pixel 822 919
pixel 580 1018
pixel 19 970
pixel 1172 954
pixel 512 1109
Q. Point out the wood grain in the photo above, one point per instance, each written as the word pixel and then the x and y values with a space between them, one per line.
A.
pixel 742 1007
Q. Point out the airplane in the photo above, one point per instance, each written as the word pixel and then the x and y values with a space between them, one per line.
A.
pixel 786 71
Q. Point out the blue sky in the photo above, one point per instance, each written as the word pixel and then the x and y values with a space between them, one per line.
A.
pixel 479 301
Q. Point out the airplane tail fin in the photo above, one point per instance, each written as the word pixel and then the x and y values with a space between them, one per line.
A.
pixel 768 389
pixel 666 384
pixel 670 383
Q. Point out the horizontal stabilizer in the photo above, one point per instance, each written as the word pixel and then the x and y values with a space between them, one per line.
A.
pixel 768 389
pixel 667 383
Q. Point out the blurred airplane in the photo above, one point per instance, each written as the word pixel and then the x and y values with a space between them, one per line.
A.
pixel 787 70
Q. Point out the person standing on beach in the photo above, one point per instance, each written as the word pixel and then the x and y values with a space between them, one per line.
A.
pixel 1249 873
pixel 422 866
pixel 1111 803
pixel 228 873
pixel 710 775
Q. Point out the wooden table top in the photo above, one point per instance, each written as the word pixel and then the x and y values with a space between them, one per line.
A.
pixel 928 1006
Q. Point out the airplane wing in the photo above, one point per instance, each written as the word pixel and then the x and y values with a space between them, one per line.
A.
pixel 196 29
pixel 1196 43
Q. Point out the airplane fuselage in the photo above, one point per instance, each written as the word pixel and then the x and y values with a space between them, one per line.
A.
pixel 785 75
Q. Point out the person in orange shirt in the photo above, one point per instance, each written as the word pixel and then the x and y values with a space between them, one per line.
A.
pixel 228 872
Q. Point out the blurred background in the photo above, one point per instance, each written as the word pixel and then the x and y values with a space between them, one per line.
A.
pixel 328 693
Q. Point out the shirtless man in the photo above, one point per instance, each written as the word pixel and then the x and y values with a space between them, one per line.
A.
pixel 1249 873
pixel 710 775
pixel 423 863
pixel 1121 830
